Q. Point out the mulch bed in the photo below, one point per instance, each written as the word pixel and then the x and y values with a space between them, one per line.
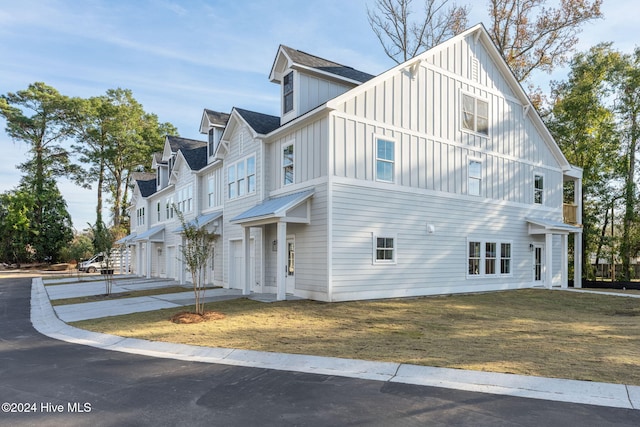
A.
pixel 188 317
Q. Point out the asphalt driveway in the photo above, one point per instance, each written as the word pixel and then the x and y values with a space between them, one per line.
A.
pixel 68 384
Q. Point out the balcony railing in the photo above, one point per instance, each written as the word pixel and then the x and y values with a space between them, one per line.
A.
pixel 569 213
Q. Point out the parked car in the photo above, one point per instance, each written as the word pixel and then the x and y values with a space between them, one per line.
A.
pixel 98 262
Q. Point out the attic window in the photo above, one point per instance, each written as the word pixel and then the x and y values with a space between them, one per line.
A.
pixel 287 92
pixel 475 114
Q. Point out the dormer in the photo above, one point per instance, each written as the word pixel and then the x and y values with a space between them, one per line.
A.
pixel 212 125
pixel 307 81
pixel 172 144
pixel 162 171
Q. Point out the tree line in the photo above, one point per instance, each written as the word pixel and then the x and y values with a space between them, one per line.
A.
pixel 96 142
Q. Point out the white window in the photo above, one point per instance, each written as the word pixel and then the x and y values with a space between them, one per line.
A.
pixel 159 212
pixel 231 172
pixel 385 158
pixel 475 178
pixel 140 216
pixel 490 258
pixel 287 164
pixel 475 114
pixel 483 256
pixel 169 207
pixel 211 191
pixel 505 258
pixel 384 248
pixel 251 175
pixel 185 199
pixel 287 92
pixel 538 189
pixel 474 257
pixel 242 177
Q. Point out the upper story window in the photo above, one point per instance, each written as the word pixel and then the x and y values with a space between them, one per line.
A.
pixel 159 212
pixel 287 92
pixel 140 216
pixel 475 177
pixel 242 177
pixel 475 114
pixel 185 199
pixel 287 164
pixel 211 192
pixel 169 207
pixel 538 189
pixel 385 158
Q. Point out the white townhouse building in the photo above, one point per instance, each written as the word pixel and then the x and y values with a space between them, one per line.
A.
pixel 436 176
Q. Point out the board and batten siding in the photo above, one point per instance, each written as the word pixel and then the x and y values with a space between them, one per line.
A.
pixel 241 146
pixel 425 263
pixel 421 111
pixel 314 91
pixel 309 150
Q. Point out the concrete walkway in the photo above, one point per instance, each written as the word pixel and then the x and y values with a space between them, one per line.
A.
pixel 46 321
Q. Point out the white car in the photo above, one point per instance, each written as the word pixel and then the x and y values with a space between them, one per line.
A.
pixel 98 262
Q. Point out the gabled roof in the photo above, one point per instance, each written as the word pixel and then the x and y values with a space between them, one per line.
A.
pixel 479 34
pixel 302 60
pixel 177 143
pixel 147 187
pixel 259 122
pixel 212 118
pixel 196 158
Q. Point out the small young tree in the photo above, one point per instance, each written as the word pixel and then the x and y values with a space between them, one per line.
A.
pixel 197 249
pixel 103 239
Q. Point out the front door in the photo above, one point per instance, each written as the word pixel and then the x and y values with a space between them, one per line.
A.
pixel 291 265
pixel 538 265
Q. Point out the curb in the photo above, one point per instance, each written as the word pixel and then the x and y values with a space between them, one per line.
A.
pixel 46 322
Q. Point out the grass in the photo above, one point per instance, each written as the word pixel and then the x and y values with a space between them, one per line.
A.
pixel 529 332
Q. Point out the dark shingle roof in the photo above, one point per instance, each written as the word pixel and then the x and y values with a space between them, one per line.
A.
pixel 325 65
pixel 147 188
pixel 261 123
pixel 216 117
pixel 177 143
pixel 196 158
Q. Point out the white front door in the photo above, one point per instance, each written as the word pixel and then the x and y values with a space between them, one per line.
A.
pixel 236 264
pixel 538 265
pixel 290 280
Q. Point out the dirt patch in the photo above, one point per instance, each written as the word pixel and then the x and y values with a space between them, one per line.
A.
pixel 187 317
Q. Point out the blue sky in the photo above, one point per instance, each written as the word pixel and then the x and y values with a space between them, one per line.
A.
pixel 179 57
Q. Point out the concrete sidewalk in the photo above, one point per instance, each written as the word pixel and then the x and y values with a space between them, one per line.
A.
pixel 46 321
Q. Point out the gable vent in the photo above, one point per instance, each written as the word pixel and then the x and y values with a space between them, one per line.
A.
pixel 474 69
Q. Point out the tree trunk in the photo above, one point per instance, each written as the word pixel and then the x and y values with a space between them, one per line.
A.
pixel 625 247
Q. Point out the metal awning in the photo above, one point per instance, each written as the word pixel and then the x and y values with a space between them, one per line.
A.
pixel 548 226
pixel 125 240
pixel 288 208
pixel 155 234
pixel 201 221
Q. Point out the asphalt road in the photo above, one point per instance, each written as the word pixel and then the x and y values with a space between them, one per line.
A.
pixel 46 382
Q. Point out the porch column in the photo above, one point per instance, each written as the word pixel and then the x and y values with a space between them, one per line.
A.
pixel 139 259
pixel 577 246
pixel 577 260
pixel 181 274
pixel 246 250
pixel 564 262
pixel 281 264
pixel 548 264
pixel 148 254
